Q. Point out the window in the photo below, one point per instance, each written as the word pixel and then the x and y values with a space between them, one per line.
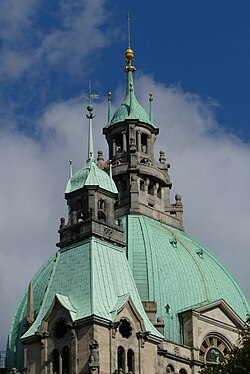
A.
pixel 213 350
pixel 65 360
pixel 182 371
pixel 144 146
pixel 125 328
pixel 60 329
pixel 170 369
pixel 55 361
pixel 121 358
pixel 131 361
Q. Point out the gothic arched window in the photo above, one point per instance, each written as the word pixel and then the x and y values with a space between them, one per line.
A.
pixel 55 361
pixel 102 210
pixel 131 361
pixel 65 360
pixel 121 358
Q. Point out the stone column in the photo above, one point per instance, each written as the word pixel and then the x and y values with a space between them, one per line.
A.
pixel 44 354
pixel 74 352
pixel 114 146
pixel 124 141
pixel 60 363
pixel 139 141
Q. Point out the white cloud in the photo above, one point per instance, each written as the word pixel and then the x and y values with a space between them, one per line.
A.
pixel 77 34
pixel 210 168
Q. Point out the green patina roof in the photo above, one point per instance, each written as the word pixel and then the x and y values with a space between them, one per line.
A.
pixel 91 175
pixel 39 283
pixel 91 278
pixel 180 276
pixel 130 108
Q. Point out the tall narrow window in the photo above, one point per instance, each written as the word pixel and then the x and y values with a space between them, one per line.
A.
pixel 65 360
pixel 131 361
pixel 55 361
pixel 121 358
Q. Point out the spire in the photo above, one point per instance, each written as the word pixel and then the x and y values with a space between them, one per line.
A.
pixel 129 54
pixel 130 108
pixel 30 306
pixel 70 168
pixel 150 106
pixel 90 116
pixel 109 106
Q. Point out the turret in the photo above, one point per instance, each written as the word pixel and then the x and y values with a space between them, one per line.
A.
pixel 142 182
pixel 91 195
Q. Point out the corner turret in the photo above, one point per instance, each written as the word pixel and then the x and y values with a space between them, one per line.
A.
pixel 91 194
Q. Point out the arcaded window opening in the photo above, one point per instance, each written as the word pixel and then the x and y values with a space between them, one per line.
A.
pixel 131 361
pixel 121 358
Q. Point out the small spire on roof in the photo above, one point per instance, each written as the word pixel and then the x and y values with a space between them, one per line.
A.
pixel 150 106
pixel 109 106
pixel 129 54
pixel 90 117
pixel 70 168
pixel 30 306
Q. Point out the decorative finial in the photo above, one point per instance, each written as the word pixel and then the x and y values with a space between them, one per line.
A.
pixel 70 168
pixel 30 306
pixel 150 106
pixel 109 106
pixel 90 117
pixel 129 54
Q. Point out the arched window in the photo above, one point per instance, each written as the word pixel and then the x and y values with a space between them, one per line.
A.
pixel 213 350
pixel 182 371
pixel 170 369
pixel 121 358
pixel 131 361
pixel 102 210
pixel 55 361
pixel 65 360
pixel 144 143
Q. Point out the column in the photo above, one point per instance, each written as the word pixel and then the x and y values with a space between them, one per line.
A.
pixel 114 146
pixel 124 141
pixel 139 141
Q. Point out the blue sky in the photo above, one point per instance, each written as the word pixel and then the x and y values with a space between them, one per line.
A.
pixel 200 45
pixel 194 57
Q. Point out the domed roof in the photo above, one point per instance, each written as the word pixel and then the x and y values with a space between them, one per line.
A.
pixel 39 282
pixel 130 107
pixel 170 267
pixel 91 175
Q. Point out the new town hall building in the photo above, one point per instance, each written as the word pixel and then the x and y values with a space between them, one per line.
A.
pixel 128 291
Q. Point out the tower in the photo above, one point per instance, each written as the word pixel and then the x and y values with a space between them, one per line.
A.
pixel 143 183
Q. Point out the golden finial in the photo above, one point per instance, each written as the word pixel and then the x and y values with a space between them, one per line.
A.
pixel 129 54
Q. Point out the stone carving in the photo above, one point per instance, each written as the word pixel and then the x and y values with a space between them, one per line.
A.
pixel 94 362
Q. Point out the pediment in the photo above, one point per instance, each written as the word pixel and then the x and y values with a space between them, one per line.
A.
pixel 61 305
pixel 125 308
pixel 221 312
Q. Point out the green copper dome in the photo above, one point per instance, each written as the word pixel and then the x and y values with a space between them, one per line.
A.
pixel 170 267
pixel 130 107
pixel 17 328
pixel 91 175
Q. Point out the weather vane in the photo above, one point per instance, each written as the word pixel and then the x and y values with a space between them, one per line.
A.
pixel 91 95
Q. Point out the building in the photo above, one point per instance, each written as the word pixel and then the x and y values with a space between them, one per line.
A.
pixel 128 291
